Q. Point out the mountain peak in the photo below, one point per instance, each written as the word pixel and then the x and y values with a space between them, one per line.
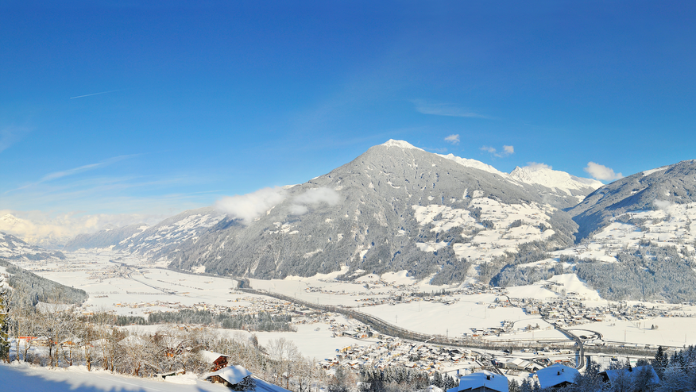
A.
pixel 542 174
pixel 473 163
pixel 400 144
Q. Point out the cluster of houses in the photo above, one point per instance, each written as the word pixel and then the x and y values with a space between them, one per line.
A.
pixel 391 351
pixel 567 312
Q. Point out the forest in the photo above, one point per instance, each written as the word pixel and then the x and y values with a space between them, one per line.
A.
pixel 36 289
pixel 249 322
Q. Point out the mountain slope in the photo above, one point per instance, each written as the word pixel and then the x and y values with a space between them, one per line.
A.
pixel 104 238
pixel 397 207
pixel 12 248
pixel 670 184
pixel 165 236
pixel 553 186
pixel 637 239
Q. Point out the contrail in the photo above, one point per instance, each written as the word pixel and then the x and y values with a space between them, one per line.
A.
pixel 89 95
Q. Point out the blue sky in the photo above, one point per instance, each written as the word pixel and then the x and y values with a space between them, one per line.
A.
pixel 136 107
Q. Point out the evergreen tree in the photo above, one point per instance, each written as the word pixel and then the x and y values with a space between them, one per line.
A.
pixel 660 362
pixel 437 380
pixel 4 327
pixel 526 386
pixel 513 386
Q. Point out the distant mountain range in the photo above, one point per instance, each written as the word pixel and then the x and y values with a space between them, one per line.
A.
pixel 397 207
pixel 12 248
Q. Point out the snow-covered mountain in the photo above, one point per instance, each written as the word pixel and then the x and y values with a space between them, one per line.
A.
pixel 105 238
pixel 47 236
pixel 12 248
pixel 396 207
pixel 165 237
pixel 648 190
pixel 553 186
pixel 637 239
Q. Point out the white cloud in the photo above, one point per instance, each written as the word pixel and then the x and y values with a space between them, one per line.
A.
pixel 662 204
pixel 51 229
pixel 537 165
pixel 601 172
pixel 444 109
pixel 297 209
pixel 313 197
pixel 507 150
pixel 250 206
pixel 454 139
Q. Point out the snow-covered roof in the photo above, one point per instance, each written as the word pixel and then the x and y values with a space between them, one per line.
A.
pixel 210 356
pixel 616 373
pixel 232 374
pixel 485 378
pixel 263 386
pixel 556 374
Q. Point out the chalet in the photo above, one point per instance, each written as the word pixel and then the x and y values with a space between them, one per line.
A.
pixel 238 378
pixel 484 381
pixel 556 376
pixel 217 361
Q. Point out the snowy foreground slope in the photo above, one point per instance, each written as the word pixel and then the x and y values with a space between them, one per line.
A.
pixel 27 378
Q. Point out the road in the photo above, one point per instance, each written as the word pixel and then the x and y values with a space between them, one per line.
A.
pixel 579 364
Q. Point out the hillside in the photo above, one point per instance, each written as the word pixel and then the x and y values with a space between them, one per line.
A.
pixel 104 238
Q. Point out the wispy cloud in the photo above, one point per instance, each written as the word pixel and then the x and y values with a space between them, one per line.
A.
pixel 601 172
pixel 445 109
pixel 452 139
pixel 506 151
pixel 73 171
pixel 100 93
pixel 10 136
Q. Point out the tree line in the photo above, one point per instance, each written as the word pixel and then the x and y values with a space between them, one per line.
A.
pixel 261 321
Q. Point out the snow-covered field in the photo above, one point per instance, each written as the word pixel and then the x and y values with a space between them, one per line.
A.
pixel 125 285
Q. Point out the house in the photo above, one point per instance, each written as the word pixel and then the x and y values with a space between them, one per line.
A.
pixel 556 376
pixel 484 381
pixel 235 377
pixel 216 360
pixel 633 374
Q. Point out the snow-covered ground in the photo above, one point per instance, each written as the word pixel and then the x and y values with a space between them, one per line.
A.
pixel 25 378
